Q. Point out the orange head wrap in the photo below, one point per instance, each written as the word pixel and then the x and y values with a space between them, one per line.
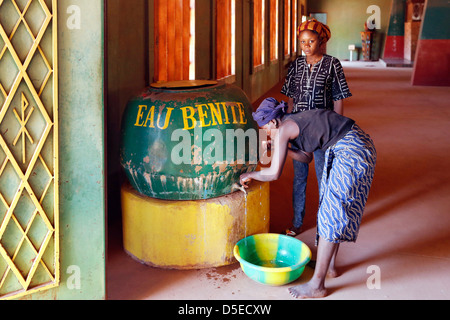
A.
pixel 322 30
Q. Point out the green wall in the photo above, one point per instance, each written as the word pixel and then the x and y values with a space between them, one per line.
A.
pixel 346 20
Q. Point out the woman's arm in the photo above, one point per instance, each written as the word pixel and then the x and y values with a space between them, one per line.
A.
pixel 290 105
pixel 300 155
pixel 339 107
pixel 280 141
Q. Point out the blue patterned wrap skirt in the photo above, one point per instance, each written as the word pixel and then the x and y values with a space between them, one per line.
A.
pixel 347 176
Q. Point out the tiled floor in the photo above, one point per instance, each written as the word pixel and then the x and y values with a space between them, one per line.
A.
pixel 405 232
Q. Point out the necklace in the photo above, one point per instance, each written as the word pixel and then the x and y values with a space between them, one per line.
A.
pixel 306 96
pixel 309 75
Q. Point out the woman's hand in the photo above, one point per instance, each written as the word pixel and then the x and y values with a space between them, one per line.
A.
pixel 266 145
pixel 245 178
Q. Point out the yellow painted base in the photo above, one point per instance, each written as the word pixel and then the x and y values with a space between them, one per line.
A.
pixel 192 234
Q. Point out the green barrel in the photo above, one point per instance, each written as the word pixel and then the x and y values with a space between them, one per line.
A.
pixel 188 140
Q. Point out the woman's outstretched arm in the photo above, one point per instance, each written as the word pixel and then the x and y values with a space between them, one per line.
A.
pixel 287 131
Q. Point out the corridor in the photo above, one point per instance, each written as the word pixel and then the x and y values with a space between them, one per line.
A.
pixel 403 249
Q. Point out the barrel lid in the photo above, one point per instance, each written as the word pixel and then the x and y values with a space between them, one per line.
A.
pixel 183 84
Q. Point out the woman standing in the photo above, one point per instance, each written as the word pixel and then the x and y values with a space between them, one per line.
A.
pixel 314 81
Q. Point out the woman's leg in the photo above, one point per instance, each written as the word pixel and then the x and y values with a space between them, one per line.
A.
pixel 299 192
pixel 332 271
pixel 319 161
pixel 315 287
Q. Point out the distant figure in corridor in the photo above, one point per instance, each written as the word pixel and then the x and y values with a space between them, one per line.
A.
pixel 348 170
pixel 314 81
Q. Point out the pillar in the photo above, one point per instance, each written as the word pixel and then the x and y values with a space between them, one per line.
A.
pixel 432 62
pixel 394 47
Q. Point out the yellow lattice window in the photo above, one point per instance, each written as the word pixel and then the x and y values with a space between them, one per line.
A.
pixel 29 216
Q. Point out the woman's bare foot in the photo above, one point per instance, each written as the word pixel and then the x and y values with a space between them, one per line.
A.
pixel 315 287
pixel 307 291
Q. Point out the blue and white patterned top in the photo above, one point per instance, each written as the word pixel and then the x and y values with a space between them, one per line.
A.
pixel 316 88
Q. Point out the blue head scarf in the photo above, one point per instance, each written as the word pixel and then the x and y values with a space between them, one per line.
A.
pixel 269 109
